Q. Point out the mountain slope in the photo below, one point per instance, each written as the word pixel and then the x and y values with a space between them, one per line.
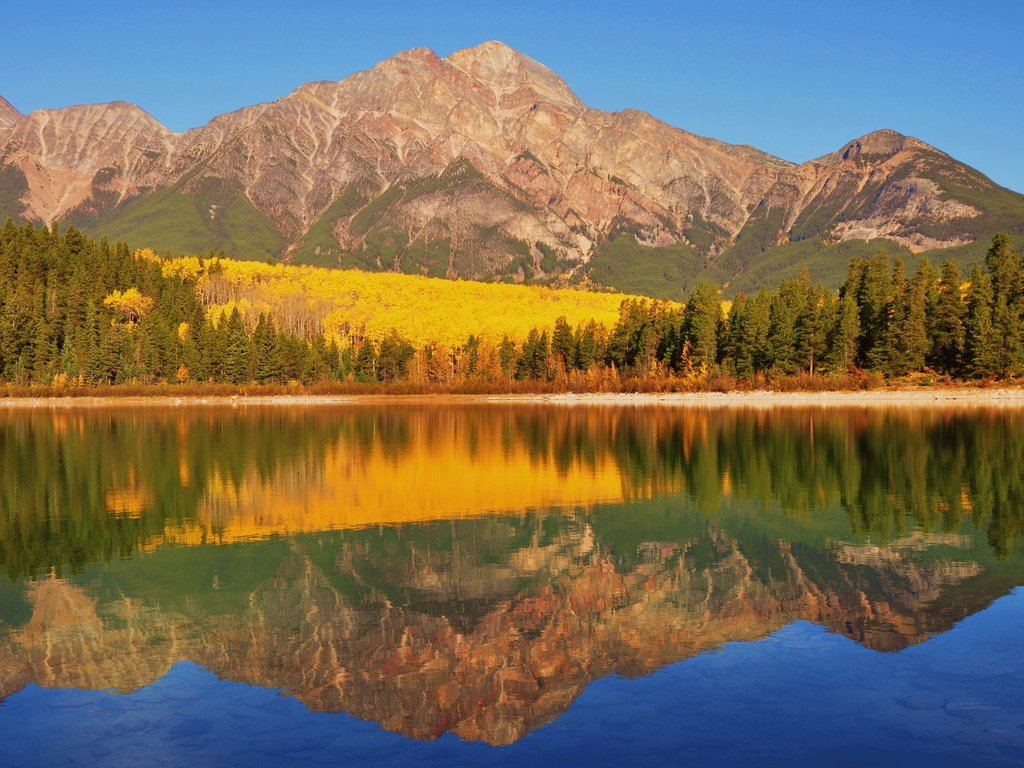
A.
pixel 8 114
pixel 485 165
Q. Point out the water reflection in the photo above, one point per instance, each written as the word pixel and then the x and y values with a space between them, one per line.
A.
pixel 471 570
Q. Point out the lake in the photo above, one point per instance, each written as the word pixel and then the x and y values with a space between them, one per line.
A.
pixel 511 584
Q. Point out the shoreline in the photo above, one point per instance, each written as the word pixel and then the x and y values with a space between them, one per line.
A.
pixel 926 397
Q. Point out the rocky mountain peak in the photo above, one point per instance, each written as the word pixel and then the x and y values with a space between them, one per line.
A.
pixel 68 154
pixel 84 125
pixel 506 70
pixel 881 143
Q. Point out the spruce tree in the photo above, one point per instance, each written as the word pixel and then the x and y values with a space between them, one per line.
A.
pixel 364 366
pixel 844 336
pixel 562 343
pixel 1007 278
pixel 266 352
pixel 471 350
pixel 907 339
pixel 1004 268
pixel 981 357
pixel 533 360
pixel 945 318
pixel 210 343
pixel 813 325
pixel 703 317
pixel 735 350
pixel 237 356
pixel 757 330
pixel 507 356
pixel 873 292
pixel 393 356
pixel 586 350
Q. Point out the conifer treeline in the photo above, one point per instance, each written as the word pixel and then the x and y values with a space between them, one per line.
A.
pixel 76 311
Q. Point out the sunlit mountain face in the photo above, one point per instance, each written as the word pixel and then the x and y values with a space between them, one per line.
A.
pixel 473 569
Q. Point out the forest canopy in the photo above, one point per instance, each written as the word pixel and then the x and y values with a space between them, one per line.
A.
pixel 74 311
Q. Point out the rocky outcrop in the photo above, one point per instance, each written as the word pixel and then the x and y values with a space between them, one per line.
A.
pixel 8 114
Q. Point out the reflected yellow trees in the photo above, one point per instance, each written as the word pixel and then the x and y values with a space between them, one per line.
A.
pixel 84 486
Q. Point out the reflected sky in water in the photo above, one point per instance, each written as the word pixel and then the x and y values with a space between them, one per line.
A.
pixel 511 584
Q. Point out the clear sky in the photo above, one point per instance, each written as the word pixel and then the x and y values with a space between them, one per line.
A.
pixel 797 78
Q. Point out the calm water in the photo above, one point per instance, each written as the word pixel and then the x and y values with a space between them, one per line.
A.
pixel 511 585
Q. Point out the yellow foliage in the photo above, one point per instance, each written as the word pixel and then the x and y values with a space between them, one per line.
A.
pixel 186 266
pixel 131 304
pixel 147 254
pixel 184 329
pixel 422 309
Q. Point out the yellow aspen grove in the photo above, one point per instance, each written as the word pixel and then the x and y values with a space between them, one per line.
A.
pixel 308 301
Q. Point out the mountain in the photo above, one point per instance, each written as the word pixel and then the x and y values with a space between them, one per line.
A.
pixel 484 165
pixel 86 159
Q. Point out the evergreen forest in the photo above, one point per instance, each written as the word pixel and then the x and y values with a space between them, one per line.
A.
pixel 75 312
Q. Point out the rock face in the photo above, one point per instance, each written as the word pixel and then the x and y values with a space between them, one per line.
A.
pixel 86 158
pixel 482 164
pixel 8 114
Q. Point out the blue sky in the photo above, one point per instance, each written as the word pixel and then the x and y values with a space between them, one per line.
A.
pixel 794 78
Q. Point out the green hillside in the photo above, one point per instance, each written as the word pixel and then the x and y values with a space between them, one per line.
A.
pixel 212 218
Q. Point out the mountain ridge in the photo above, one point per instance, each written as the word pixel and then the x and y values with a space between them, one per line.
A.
pixel 483 164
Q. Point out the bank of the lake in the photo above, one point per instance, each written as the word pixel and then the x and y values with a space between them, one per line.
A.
pixel 1001 397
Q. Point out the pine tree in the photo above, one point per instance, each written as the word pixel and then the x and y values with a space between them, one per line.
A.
pixel 210 344
pixel 237 355
pixel 735 351
pixel 787 305
pixel 587 349
pixel 981 356
pixel 364 366
pixel 703 317
pixel 1005 335
pixel 813 325
pixel 533 360
pixel 268 367
pixel 316 367
pixel 1007 279
pixel 844 336
pixel 757 330
pixel 393 357
pixel 471 351
pixel 1004 268
pixel 945 318
pixel 907 336
pixel 562 343
pixel 871 284
pixel 507 356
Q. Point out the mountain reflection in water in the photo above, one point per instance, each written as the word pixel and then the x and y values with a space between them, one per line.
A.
pixel 473 569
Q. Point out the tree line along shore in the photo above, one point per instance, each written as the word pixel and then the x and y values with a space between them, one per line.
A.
pixel 82 317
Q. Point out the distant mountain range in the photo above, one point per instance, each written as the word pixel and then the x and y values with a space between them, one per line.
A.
pixel 485 165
